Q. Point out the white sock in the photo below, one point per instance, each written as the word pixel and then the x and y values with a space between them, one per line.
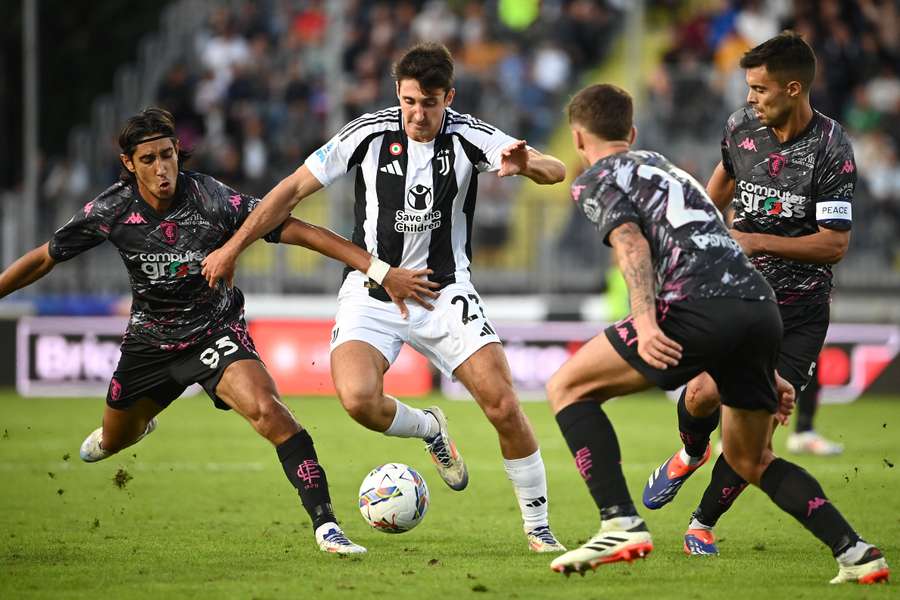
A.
pixel 853 553
pixel 412 422
pixel 688 459
pixel 695 524
pixel 530 484
pixel 622 523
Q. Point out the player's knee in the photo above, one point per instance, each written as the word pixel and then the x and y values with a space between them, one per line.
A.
pixel 702 396
pixel 559 393
pixel 271 418
pixel 359 401
pixel 749 466
pixel 504 412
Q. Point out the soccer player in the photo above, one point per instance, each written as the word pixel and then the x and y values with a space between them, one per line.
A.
pixel 164 221
pixel 789 173
pixel 697 305
pixel 417 169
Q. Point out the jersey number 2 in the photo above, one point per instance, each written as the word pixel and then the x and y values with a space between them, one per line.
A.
pixel 676 213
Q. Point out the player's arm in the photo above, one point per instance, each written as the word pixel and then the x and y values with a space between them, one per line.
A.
pixel 400 284
pixel 275 207
pixel 720 187
pixel 26 270
pixel 633 255
pixel 520 159
pixel 827 246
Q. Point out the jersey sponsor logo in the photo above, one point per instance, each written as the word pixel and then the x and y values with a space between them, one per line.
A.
pixel 418 217
pixel 835 209
pixel 848 166
pixel 715 240
pixel 135 218
pixel 393 167
pixel 88 208
pixel 776 163
pixel 748 144
pixel 396 149
pixel 419 198
pixel 158 265
pixel 169 231
pixel 443 158
pixel 756 198
pixel 322 152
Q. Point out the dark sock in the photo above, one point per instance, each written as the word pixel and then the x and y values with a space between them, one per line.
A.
pixel 724 487
pixel 695 431
pixel 592 441
pixel 797 493
pixel 298 458
pixel 807 403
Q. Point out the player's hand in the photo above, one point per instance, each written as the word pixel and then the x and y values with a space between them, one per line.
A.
pixel 513 159
pixel 656 348
pixel 786 396
pixel 746 240
pixel 402 284
pixel 219 265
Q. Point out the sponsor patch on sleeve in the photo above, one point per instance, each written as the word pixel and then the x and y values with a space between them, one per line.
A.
pixel 832 210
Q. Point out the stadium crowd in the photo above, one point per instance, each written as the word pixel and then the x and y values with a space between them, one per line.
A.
pixel 858 49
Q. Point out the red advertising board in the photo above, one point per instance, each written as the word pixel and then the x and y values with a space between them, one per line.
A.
pixel 297 355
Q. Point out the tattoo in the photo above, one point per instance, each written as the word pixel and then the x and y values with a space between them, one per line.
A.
pixel 633 253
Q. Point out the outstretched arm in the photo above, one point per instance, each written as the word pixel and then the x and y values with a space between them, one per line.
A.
pixel 26 270
pixel 272 211
pixel 633 254
pixel 400 284
pixel 519 159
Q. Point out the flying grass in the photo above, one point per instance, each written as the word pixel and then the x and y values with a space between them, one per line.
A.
pixel 202 509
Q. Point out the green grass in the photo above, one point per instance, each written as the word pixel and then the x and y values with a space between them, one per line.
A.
pixel 209 514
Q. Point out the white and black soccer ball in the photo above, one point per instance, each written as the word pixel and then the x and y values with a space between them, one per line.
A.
pixel 393 498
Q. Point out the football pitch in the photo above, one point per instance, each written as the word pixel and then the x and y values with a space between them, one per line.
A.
pixel 201 509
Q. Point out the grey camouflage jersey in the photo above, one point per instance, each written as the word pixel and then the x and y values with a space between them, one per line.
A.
pixel 172 307
pixel 790 190
pixel 692 252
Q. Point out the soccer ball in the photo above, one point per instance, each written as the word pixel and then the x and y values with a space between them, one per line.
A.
pixel 393 498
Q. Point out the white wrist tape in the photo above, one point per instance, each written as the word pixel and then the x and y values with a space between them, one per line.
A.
pixel 377 270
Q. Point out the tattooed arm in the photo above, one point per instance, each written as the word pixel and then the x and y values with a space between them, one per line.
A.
pixel 633 253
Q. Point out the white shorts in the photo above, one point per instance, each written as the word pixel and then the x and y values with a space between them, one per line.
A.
pixel 446 336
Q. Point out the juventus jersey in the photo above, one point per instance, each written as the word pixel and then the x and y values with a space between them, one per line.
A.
pixel 692 253
pixel 790 190
pixel 172 306
pixel 414 201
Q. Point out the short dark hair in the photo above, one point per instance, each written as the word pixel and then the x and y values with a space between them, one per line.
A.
pixel 603 109
pixel 428 63
pixel 786 57
pixel 150 122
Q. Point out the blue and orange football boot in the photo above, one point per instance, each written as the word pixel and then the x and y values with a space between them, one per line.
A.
pixel 664 483
pixel 700 542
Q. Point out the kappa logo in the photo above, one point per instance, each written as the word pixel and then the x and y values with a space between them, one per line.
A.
pixel 393 167
pixel 848 166
pixel 776 163
pixel 419 198
pixel 748 144
pixel 169 231
pixel 815 504
pixel 88 208
pixel 135 218
pixel 576 192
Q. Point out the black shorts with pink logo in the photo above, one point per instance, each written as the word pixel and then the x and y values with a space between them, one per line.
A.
pixel 163 375
pixel 736 341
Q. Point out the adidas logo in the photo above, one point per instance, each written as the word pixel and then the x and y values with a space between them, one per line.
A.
pixel 537 502
pixel 135 219
pixel 486 330
pixel 393 168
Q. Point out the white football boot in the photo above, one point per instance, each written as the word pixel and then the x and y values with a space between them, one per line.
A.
pixel 446 458
pixel 619 539
pixel 91 451
pixel 331 538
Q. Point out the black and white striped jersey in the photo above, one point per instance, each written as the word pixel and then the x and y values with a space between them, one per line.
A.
pixel 414 201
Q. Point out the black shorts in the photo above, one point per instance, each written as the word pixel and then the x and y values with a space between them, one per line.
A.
pixel 736 341
pixel 163 376
pixel 805 327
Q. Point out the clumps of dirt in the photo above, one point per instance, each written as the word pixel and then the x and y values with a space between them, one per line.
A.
pixel 121 478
